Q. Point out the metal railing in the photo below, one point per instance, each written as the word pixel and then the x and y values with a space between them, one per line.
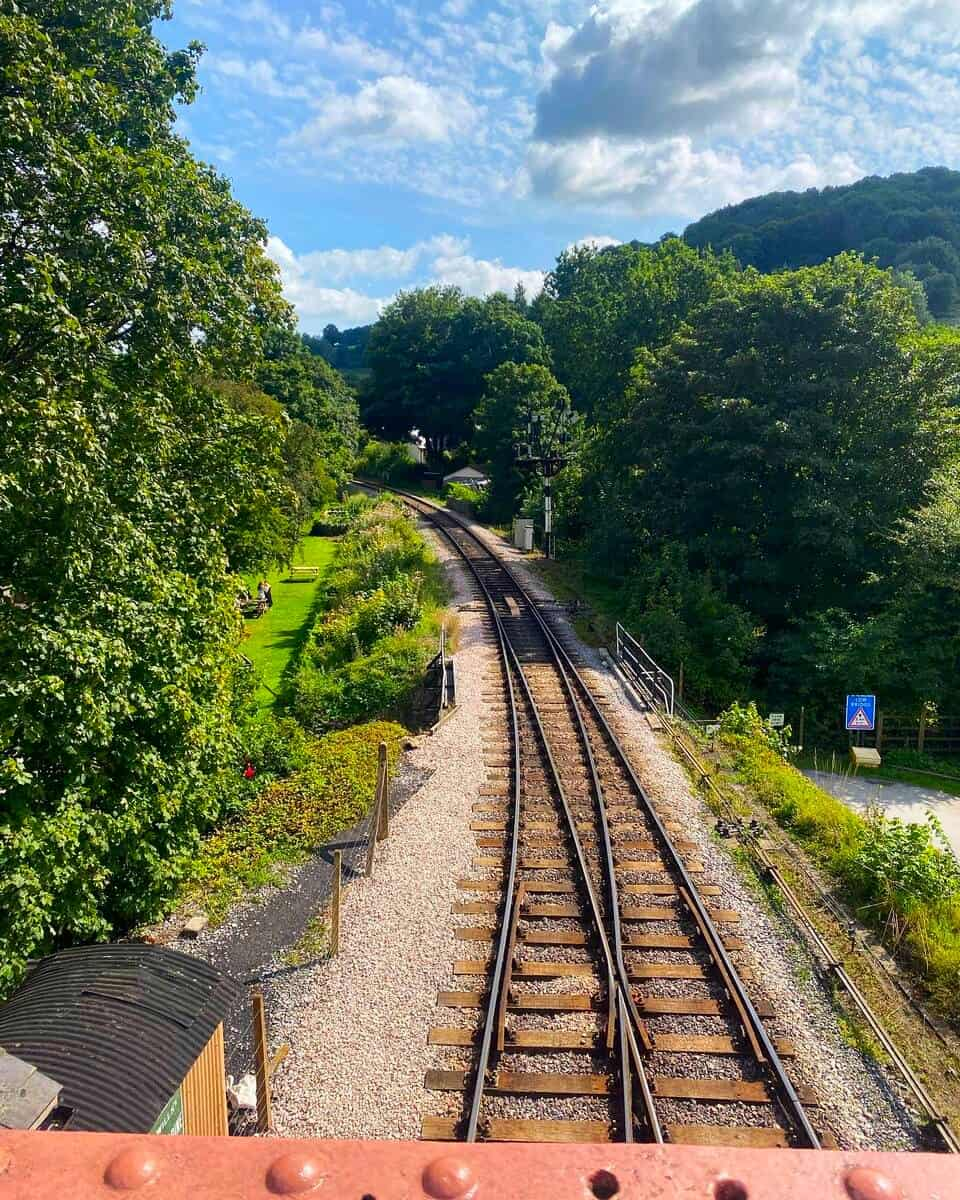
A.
pixel 648 675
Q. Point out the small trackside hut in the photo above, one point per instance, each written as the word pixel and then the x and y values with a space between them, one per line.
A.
pixel 121 1039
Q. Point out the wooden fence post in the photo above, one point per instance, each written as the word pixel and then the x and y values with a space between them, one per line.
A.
pixel 335 903
pixel 803 721
pixel 383 809
pixel 378 802
pixel 922 730
pixel 262 1065
pixel 680 684
pixel 879 732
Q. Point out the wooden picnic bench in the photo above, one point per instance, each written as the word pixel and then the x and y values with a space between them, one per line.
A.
pixel 304 572
pixel 253 608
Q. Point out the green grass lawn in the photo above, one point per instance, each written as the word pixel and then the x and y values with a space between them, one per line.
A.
pixel 276 637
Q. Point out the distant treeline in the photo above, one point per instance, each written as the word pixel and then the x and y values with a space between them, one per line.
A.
pixel 344 349
pixel 908 222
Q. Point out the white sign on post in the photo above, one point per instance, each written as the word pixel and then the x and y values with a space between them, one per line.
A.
pixel 777 720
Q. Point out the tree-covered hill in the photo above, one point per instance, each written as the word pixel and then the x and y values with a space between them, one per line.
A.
pixel 910 222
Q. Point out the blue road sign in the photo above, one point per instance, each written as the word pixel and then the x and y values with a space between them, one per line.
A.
pixel 861 713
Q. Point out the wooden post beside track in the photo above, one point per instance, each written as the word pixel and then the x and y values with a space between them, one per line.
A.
pixel 383 799
pixel 262 1065
pixel 335 887
pixel 378 816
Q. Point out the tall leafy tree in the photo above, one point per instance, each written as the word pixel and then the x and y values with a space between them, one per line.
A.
pixel 513 394
pixel 600 306
pixel 128 486
pixel 430 353
pixel 315 394
pixel 781 436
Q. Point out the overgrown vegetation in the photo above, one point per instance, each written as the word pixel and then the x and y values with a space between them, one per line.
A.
pixel 380 624
pixel 901 879
pixel 323 786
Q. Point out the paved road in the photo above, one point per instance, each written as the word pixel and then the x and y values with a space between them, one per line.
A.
pixel 903 800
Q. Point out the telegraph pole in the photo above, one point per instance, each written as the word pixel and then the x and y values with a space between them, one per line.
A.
pixel 546 452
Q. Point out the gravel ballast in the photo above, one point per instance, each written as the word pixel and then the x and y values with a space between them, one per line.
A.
pixel 357 1026
pixel 858 1102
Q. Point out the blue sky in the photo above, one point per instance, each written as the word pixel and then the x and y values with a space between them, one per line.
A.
pixel 470 141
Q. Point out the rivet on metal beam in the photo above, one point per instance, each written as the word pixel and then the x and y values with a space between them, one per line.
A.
pixel 133 1168
pixel 730 1189
pixel 450 1178
pixel 296 1173
pixel 866 1183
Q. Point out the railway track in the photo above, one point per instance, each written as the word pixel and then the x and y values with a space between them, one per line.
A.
pixel 602 998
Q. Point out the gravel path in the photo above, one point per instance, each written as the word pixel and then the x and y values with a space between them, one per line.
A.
pixel 357 1026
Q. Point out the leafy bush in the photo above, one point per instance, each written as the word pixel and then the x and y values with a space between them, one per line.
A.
pixel 378 683
pixel 389 461
pixel 902 879
pixel 463 491
pixel 291 818
pixel 354 629
pixel 744 720
pixel 367 652
pixel 904 867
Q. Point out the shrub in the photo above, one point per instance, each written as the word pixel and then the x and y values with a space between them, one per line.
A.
pixel 463 491
pixel 389 461
pixel 741 720
pixel 354 629
pixel 900 878
pixel 367 651
pixel 379 683
pixel 291 818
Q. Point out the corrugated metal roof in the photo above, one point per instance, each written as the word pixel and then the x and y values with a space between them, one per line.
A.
pixel 118 1026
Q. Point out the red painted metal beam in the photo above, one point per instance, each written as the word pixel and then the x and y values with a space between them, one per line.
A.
pixel 55 1166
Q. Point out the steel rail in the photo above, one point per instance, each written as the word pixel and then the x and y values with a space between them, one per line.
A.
pixel 509 898
pixel 787 1093
pixel 830 961
pixel 491 1021
pixel 789 1099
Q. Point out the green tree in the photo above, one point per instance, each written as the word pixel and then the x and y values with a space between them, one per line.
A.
pixel 600 306
pixel 781 437
pixel 128 275
pixel 775 444
pixel 430 353
pixel 513 394
pixel 314 393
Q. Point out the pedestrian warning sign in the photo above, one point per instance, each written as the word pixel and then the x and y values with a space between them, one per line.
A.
pixel 861 713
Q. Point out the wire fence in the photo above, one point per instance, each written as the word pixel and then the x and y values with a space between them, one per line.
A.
pixel 251 1063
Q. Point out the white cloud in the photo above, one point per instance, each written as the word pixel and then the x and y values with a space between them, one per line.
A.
pixel 668 177
pixel 316 304
pixel 641 68
pixel 445 259
pixel 384 262
pixel 480 277
pixel 260 75
pixel 599 241
pixel 654 69
pixel 360 56
pixel 395 110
